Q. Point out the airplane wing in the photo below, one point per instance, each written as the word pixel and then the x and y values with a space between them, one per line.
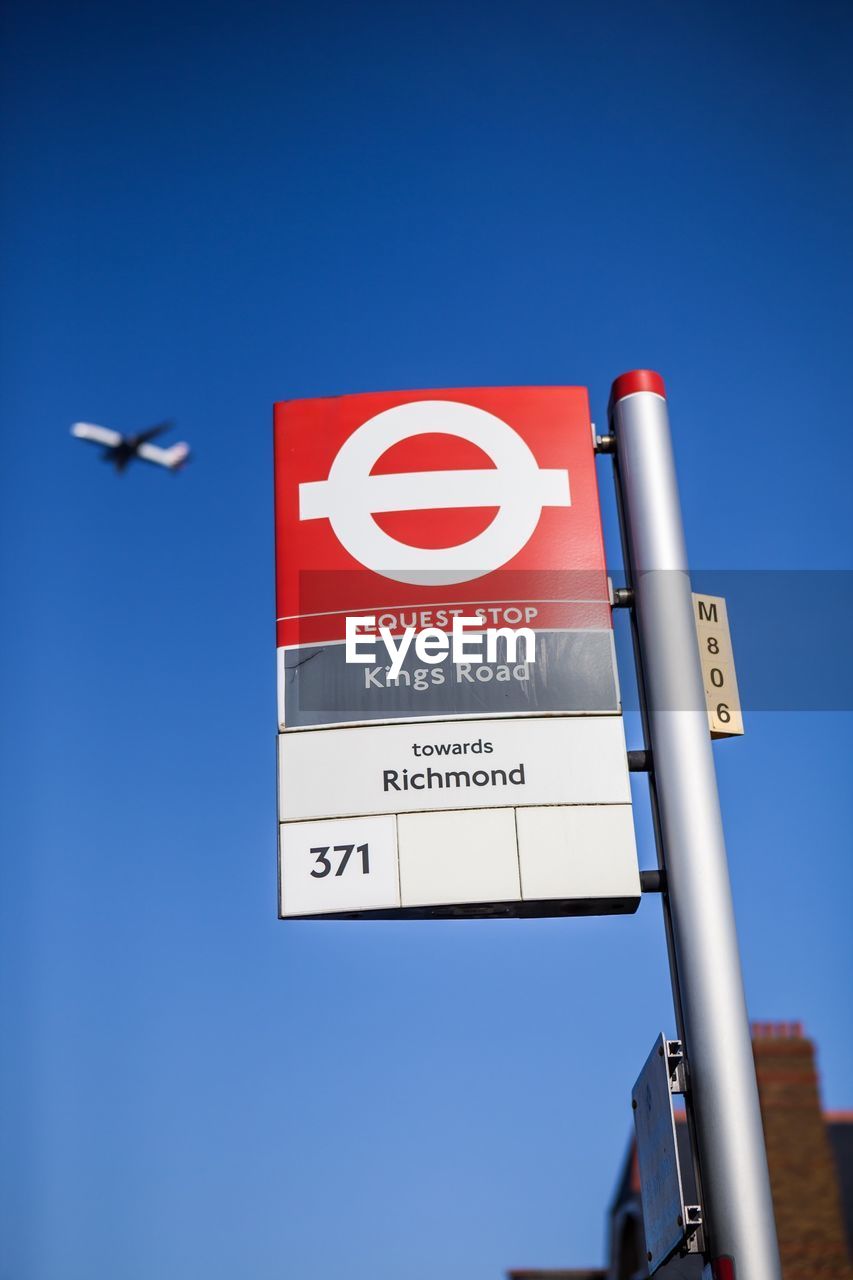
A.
pixel 173 457
pixel 151 432
pixel 97 435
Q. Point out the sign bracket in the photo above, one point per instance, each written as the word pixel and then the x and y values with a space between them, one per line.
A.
pixel 653 881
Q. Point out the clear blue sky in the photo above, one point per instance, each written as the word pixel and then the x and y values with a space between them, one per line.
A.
pixel 209 207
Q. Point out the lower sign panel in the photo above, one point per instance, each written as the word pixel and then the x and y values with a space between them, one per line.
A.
pixel 342 865
pixel 538 861
pixel 458 857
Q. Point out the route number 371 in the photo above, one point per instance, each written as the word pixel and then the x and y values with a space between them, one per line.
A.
pixel 323 864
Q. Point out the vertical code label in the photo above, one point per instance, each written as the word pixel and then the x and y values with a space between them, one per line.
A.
pixel 722 698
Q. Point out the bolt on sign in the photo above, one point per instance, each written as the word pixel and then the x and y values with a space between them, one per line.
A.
pixel 450 731
pixel 725 718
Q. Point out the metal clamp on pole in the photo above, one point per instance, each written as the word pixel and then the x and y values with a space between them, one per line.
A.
pixel 652 882
pixel 707 979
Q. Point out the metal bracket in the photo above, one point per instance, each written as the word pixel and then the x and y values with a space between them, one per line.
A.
pixel 653 881
pixel 691 1219
pixel 692 1229
pixel 605 444
pixel 623 598
pixel 676 1065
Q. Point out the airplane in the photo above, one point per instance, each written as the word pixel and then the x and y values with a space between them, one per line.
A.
pixel 120 450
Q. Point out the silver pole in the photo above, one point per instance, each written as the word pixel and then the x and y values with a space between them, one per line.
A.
pixel 739 1223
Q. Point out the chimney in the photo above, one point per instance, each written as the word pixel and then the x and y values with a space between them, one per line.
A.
pixel 802 1171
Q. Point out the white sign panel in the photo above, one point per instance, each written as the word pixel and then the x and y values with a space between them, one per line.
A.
pixel 344 865
pixel 469 764
pixel 559 860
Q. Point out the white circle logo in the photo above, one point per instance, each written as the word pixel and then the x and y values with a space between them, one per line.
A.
pixel 517 487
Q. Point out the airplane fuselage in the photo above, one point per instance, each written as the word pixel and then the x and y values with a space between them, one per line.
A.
pixel 121 450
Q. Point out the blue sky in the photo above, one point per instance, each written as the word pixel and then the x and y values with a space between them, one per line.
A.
pixel 211 207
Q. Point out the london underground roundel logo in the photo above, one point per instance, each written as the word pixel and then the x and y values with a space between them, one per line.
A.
pixel 516 486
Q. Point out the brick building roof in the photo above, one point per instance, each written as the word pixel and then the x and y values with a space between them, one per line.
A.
pixel 804 1176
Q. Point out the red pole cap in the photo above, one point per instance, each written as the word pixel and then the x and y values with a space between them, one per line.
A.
pixel 637 380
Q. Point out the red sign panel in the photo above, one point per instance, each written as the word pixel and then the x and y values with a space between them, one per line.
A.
pixel 420 504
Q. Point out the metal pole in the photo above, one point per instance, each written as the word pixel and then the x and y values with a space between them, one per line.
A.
pixel 739 1223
